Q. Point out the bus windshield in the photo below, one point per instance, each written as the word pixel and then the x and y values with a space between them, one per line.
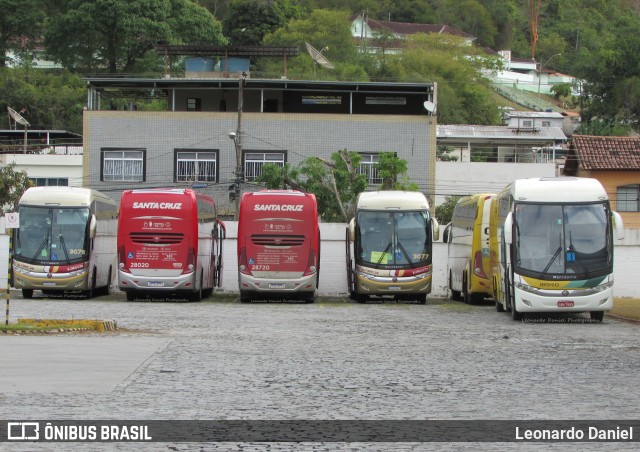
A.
pixel 563 239
pixel 394 238
pixel 52 235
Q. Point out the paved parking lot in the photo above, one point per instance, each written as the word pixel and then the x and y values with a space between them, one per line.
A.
pixel 220 359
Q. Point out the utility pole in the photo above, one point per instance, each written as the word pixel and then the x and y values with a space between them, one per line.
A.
pixel 237 139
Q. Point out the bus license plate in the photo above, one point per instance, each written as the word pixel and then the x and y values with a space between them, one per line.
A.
pixel 276 286
pixel 156 283
pixel 395 288
pixel 565 304
pixel 49 284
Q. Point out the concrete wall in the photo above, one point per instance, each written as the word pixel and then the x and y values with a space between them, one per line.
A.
pixel 461 178
pixel 333 280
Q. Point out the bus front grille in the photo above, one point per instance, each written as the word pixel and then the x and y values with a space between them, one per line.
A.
pixel 156 239
pixel 277 240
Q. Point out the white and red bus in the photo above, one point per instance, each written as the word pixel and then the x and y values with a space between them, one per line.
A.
pixel 169 242
pixel 278 244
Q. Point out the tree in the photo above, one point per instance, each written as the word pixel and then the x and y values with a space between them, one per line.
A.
pixel 52 100
pixel 20 26
pixel 248 21
pixel 444 212
pixel 464 93
pixel 322 29
pixel 336 182
pixel 12 185
pixel 115 34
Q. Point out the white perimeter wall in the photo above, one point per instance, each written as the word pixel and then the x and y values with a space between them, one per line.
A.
pixel 333 279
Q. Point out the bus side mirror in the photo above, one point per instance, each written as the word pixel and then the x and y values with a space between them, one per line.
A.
pixel 446 234
pixel 507 229
pixel 618 225
pixel 351 228
pixel 93 227
pixel 436 229
pixel 219 231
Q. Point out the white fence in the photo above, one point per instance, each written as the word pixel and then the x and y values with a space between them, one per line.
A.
pixel 333 280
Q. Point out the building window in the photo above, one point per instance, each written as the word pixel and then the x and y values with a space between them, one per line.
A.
pixel 253 162
pixel 123 165
pixel 546 123
pixel 367 167
pixel 196 166
pixel 194 104
pixel 49 181
pixel 628 198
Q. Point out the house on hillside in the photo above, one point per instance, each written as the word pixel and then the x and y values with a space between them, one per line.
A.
pixel 377 36
pixel 615 162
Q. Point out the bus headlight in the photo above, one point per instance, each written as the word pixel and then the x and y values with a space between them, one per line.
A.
pixel 191 267
pixel 242 267
pixel 603 287
pixel 312 268
pixel 525 287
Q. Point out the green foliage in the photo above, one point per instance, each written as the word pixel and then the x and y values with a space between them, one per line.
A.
pixel 601 127
pixel 20 26
pixel 444 212
pixel 53 100
pixel 248 21
pixel 443 154
pixel 114 34
pixel 336 182
pixel 322 29
pixel 12 185
pixel 561 90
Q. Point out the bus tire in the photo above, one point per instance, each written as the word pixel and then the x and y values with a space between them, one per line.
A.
pixel 422 298
pixel 499 307
pixel 245 296
pixel 27 293
pixel 92 285
pixel 131 295
pixel 466 297
pixel 360 298
pixel 596 316
pixel 455 295
pixel 197 295
pixel 309 297
pixel 515 315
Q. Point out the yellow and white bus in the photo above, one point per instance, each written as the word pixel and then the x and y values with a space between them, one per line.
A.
pixel 66 241
pixel 552 246
pixel 467 236
pixel 389 246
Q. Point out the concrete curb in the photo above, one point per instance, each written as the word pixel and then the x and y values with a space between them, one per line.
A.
pixel 96 325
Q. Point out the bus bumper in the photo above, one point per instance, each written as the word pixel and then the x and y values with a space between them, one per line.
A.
pixel 129 282
pixel 376 285
pixel 50 281
pixel 571 301
pixel 255 283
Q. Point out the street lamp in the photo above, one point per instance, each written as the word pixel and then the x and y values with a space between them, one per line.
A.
pixel 541 67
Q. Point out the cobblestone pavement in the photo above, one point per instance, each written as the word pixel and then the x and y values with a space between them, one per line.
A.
pixel 339 360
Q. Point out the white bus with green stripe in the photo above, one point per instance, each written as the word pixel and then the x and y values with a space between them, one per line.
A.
pixel 551 246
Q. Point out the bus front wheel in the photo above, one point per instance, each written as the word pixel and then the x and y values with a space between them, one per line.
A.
pixel 245 296
pixel 27 293
pixel 596 316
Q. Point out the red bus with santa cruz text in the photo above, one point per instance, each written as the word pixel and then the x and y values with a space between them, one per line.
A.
pixel 169 242
pixel 278 244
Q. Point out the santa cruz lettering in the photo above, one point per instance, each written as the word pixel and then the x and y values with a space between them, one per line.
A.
pixel 278 207
pixel 157 205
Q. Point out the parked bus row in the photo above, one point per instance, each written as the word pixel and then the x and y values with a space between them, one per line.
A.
pixel 169 241
pixel 540 245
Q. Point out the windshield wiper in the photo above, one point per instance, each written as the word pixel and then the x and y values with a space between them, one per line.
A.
pixel 554 257
pixel 64 247
pixel 413 265
pixel 41 247
pixel 383 254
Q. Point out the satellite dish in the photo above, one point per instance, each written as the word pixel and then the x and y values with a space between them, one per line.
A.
pixel 17 117
pixel 318 58
pixel 430 107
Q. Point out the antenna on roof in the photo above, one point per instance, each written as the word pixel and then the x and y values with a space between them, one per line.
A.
pixel 318 58
pixel 18 119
